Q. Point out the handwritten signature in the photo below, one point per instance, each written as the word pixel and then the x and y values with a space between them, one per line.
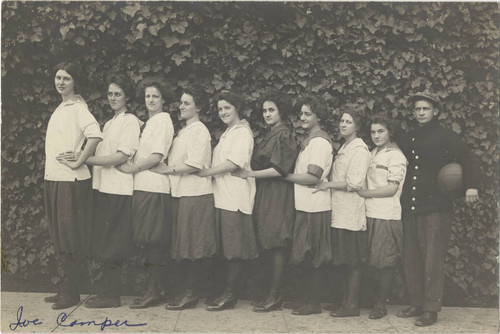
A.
pixel 62 317
pixel 23 323
pixel 62 321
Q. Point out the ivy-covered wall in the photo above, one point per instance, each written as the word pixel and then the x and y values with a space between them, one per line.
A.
pixel 355 55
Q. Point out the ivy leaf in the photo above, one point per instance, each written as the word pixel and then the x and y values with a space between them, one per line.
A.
pixel 132 9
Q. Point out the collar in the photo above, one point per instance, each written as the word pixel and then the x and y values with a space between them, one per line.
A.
pixel 358 142
pixel 316 134
pixel 426 128
pixel 74 100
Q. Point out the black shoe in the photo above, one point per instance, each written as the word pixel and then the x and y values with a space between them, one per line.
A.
pixel 307 309
pixel 409 312
pixel 427 319
pixel 378 311
pixel 273 302
pixel 149 301
pixel 344 312
pixel 226 301
pixel 102 302
pixel 52 299
pixel 65 301
pixel 189 300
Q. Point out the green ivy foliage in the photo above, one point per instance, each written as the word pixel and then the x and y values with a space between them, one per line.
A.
pixel 369 56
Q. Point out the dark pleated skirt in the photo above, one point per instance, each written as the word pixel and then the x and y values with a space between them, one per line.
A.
pixel 235 234
pixel 274 213
pixel 385 242
pixel 151 219
pixel 193 227
pixel 311 238
pixel 349 247
pixel 68 208
pixel 111 227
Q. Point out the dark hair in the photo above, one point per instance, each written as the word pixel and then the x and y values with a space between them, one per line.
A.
pixel 199 95
pixel 233 98
pixel 317 106
pixel 282 101
pixel 358 117
pixel 386 121
pixel 161 84
pixel 75 72
pixel 125 83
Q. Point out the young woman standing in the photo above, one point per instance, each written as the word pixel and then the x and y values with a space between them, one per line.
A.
pixel 112 224
pixel 193 212
pixel 68 188
pixel 151 197
pixel 311 246
pixel 349 236
pixel 383 210
pixel 274 210
pixel 234 196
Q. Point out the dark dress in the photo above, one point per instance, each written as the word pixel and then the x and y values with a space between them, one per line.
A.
pixel 274 202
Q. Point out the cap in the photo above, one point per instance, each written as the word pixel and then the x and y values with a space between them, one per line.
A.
pixel 426 95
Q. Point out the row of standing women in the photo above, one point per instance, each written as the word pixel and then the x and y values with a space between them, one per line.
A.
pixel 172 196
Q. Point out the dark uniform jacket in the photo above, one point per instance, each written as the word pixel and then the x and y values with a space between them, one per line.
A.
pixel 428 148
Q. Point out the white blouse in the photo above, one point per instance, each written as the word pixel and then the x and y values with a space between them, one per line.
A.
pixel 155 138
pixel 68 127
pixel 231 192
pixel 121 134
pixel 351 166
pixel 191 147
pixel 387 165
pixel 315 158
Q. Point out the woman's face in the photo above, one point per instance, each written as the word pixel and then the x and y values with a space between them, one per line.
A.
pixel 154 101
pixel 271 113
pixel 380 135
pixel 188 108
pixel 227 112
pixel 64 83
pixel 308 117
pixel 347 125
pixel 116 97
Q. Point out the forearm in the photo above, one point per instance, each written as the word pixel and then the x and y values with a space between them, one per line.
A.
pixel 107 161
pixel 387 191
pixel 225 167
pixel 152 160
pixel 88 151
pixel 264 173
pixel 182 168
pixel 304 179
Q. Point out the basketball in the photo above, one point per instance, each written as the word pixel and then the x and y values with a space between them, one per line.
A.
pixel 450 178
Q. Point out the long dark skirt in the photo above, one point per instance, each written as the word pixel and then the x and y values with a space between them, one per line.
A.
pixel 151 219
pixel 111 227
pixel 349 247
pixel 68 208
pixel 235 234
pixel 193 227
pixel 385 241
pixel 274 213
pixel 311 238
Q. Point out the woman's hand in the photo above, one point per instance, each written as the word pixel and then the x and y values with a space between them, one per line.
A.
pixel 68 156
pixel 322 186
pixel 471 195
pixel 69 159
pixel 161 168
pixel 127 168
pixel 202 173
pixel 242 173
